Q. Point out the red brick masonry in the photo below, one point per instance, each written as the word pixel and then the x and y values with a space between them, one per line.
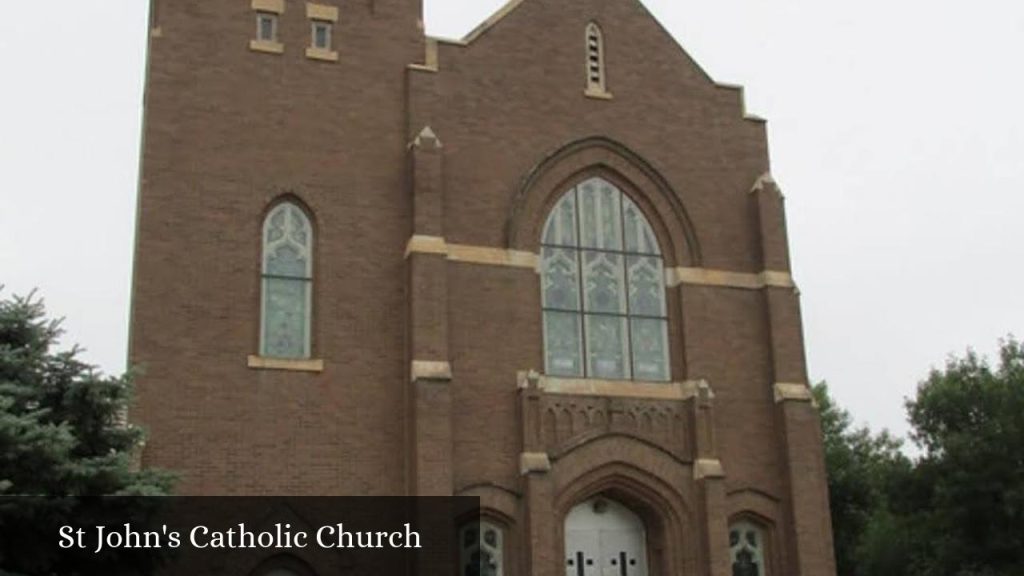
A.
pixel 230 131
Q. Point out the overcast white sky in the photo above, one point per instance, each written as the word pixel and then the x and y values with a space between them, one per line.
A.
pixel 895 129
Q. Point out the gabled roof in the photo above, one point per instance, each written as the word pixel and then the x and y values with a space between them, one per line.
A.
pixel 511 5
pixel 491 21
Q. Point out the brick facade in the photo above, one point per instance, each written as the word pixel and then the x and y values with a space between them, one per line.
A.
pixel 428 168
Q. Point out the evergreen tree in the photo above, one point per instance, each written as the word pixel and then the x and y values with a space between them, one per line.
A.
pixel 63 436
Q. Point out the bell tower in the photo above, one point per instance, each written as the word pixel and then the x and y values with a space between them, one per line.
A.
pixel 251 104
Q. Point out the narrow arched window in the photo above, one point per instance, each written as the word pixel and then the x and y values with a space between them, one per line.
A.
pixel 603 288
pixel 595 60
pixel 287 283
pixel 480 550
pixel 746 549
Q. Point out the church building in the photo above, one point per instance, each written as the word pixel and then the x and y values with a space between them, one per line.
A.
pixel 545 265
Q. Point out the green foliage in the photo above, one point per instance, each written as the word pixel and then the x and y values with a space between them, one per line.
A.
pixel 862 468
pixel 969 419
pixel 62 425
pixel 956 511
pixel 63 436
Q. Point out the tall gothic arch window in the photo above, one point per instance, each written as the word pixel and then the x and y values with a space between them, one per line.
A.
pixel 480 549
pixel 746 549
pixel 603 288
pixel 287 283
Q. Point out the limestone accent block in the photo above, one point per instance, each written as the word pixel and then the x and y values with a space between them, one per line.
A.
pixel 534 462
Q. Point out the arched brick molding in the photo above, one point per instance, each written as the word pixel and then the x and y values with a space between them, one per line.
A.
pixel 502 517
pixel 757 502
pixel 598 156
pixel 502 501
pixel 650 482
pixel 766 512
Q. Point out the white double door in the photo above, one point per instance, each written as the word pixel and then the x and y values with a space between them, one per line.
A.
pixel 604 538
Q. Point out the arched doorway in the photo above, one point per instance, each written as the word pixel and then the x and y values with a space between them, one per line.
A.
pixel 604 538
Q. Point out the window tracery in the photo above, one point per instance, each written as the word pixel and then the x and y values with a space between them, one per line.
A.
pixel 287 283
pixel 746 549
pixel 603 290
pixel 480 549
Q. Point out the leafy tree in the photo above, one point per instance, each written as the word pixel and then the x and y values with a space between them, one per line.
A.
pixel 862 470
pixel 850 495
pixel 969 419
pixel 63 436
pixel 956 511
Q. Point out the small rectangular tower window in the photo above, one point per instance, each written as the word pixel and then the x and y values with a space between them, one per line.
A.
pixel 266 27
pixel 322 20
pixel 268 16
pixel 321 35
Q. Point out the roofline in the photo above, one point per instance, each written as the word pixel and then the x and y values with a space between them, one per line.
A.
pixel 747 115
pixel 486 25
pixel 443 40
pixel 511 5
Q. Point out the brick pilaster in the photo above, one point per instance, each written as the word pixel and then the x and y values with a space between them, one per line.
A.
pixel 802 449
pixel 430 421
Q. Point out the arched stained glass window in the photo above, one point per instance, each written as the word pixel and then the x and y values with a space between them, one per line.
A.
pixel 746 549
pixel 603 288
pixel 287 283
pixel 480 550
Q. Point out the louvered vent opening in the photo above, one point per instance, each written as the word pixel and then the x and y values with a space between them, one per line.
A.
pixel 594 58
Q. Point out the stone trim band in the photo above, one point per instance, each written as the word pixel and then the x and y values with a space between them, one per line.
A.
pixel 789 392
pixel 674 277
pixel 613 388
pixel 430 370
pixel 723 278
pixel 472 254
